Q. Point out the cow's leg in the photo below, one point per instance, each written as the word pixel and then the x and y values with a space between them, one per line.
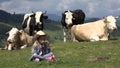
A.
pixel 94 38
pixel 24 46
pixel 31 32
pixel 104 38
pixel 73 37
pixel 64 33
pixel 9 47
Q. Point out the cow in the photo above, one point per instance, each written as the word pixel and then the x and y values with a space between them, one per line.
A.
pixel 17 39
pixel 70 18
pixel 94 31
pixel 33 22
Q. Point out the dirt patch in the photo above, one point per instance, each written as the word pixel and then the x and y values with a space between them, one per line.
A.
pixel 99 59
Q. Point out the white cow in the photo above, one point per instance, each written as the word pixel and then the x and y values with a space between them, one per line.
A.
pixel 18 39
pixel 94 31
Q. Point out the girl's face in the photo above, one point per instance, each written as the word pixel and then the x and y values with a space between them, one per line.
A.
pixel 41 38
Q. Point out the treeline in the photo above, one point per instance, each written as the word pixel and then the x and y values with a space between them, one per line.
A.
pixel 8 17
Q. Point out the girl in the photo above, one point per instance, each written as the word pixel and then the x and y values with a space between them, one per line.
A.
pixel 41 48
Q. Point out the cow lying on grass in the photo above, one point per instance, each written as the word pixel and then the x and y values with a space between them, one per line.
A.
pixel 94 31
pixel 17 39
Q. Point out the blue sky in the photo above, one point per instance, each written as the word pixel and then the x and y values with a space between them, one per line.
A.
pixel 92 8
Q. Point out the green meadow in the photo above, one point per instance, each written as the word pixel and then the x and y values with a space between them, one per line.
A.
pixel 102 54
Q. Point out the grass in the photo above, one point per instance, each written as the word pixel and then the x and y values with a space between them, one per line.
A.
pixel 102 54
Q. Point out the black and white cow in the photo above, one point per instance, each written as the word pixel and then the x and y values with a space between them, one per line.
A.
pixel 33 22
pixel 70 18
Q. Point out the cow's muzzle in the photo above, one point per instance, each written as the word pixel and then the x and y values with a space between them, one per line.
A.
pixel 38 23
pixel 114 28
pixel 9 41
pixel 70 25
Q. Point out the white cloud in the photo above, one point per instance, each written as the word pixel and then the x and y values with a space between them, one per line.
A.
pixel 91 8
pixel 94 8
pixel 65 4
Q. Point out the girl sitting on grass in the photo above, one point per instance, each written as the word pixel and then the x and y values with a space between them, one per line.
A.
pixel 41 48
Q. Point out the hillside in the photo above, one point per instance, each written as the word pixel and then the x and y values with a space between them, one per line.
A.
pixel 101 54
pixel 8 18
pixel 54 17
pixel 17 18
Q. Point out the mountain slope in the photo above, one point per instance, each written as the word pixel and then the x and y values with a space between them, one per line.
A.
pixel 7 17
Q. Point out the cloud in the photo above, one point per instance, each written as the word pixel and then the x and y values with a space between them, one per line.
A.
pixel 25 6
pixel 94 8
pixel 102 8
pixel 65 4
pixel 3 0
pixel 14 5
pixel 91 8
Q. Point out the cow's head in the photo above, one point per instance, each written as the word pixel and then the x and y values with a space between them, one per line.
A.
pixel 111 22
pixel 13 35
pixel 68 18
pixel 39 17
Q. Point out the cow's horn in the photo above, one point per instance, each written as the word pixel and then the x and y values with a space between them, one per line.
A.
pixel 68 10
pixel 7 32
pixel 117 16
pixel 32 11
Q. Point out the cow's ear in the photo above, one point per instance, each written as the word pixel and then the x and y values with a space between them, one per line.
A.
pixel 45 17
pixel 20 32
pixel 7 32
pixel 105 20
pixel 33 15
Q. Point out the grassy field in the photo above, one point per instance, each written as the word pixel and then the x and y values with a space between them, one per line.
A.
pixel 102 54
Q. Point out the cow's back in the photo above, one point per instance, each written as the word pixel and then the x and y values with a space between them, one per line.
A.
pixel 79 16
pixel 79 33
pixel 25 38
pixel 88 30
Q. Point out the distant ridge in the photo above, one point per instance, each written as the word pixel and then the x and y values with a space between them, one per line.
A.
pixel 17 18
pixel 7 17
pixel 54 17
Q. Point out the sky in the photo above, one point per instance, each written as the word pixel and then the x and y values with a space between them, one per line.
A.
pixel 91 8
